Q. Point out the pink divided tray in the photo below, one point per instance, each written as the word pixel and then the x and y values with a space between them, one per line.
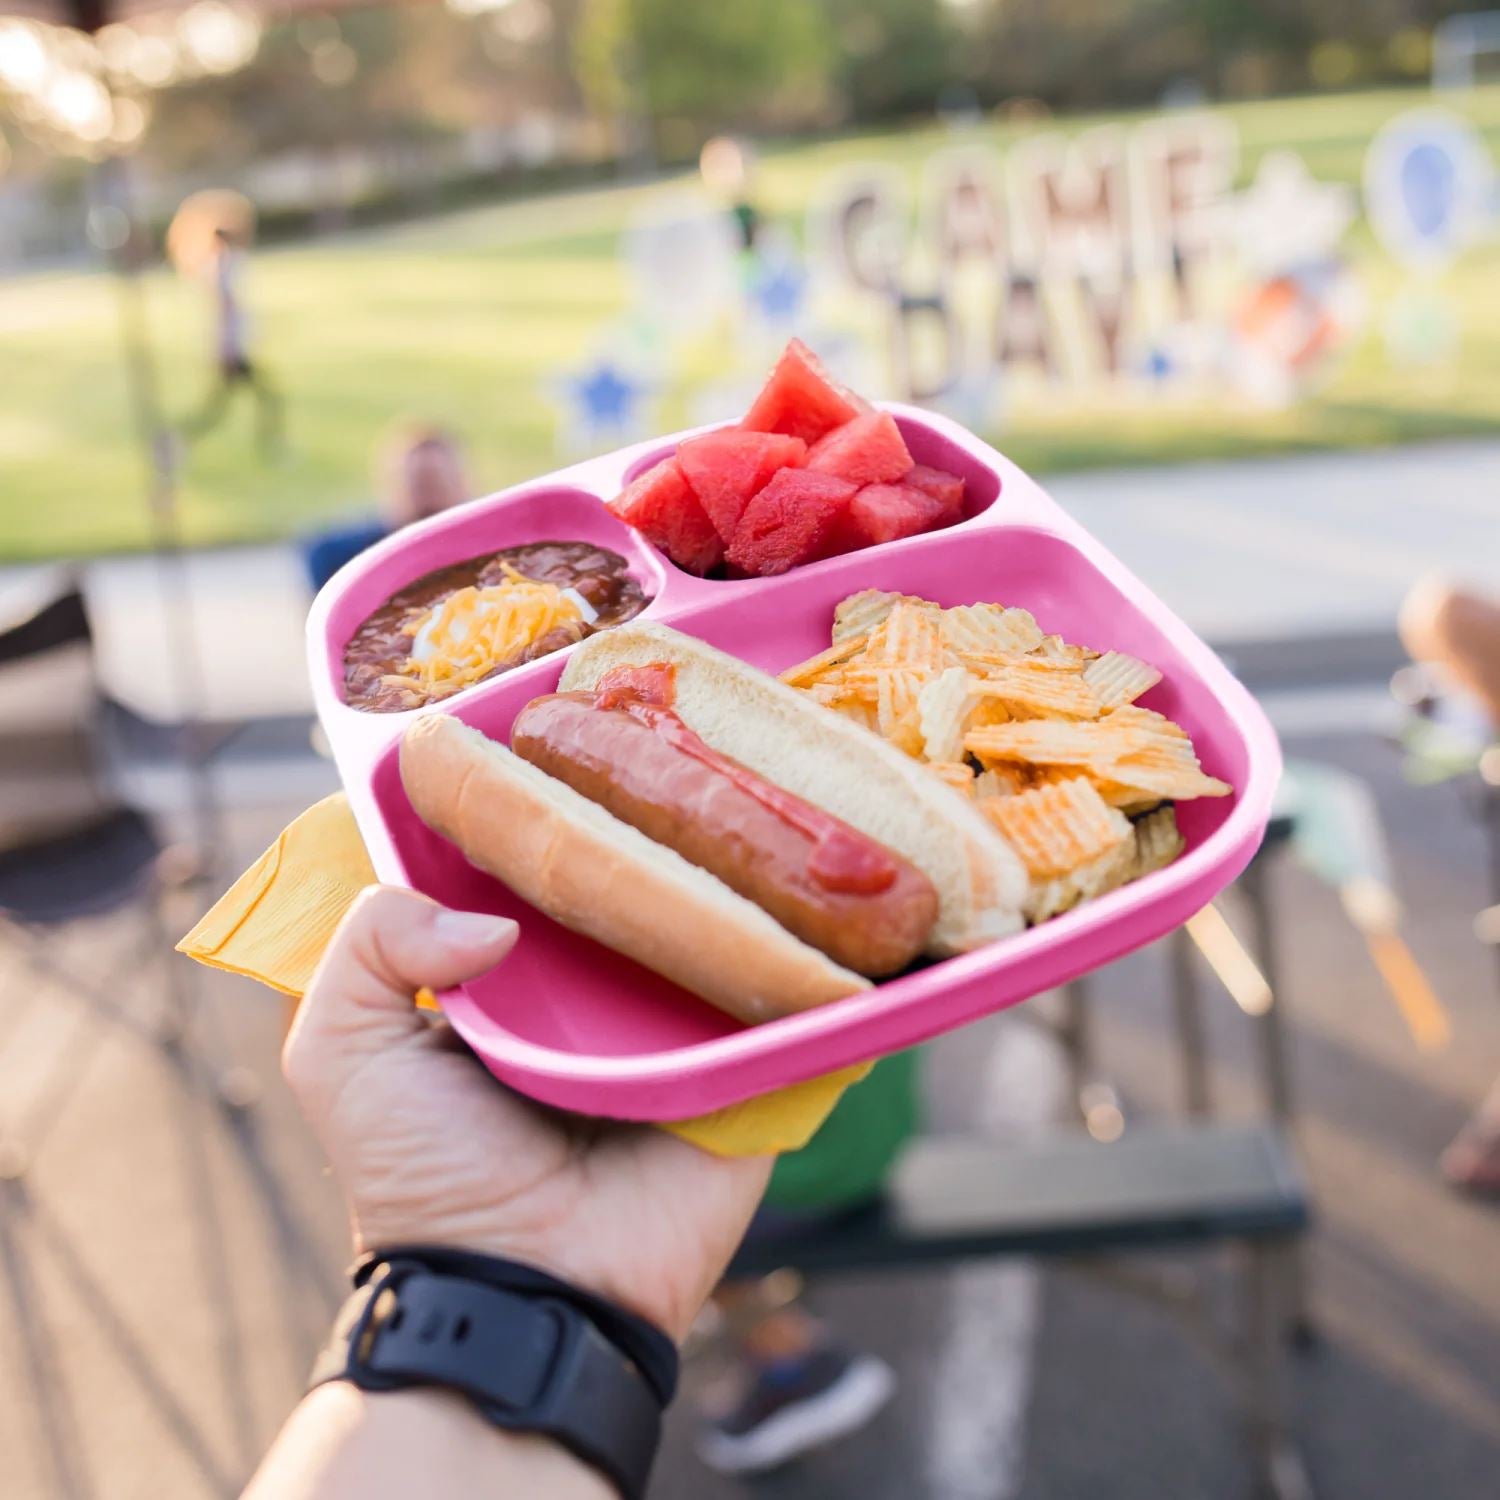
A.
pixel 570 1022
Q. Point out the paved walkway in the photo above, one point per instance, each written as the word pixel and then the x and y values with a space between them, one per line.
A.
pixel 165 1277
pixel 1272 549
pixel 1282 548
pixel 167 1270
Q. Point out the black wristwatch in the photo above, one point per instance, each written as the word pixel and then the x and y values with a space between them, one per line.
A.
pixel 533 1353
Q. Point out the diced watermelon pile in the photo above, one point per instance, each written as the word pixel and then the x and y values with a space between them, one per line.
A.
pixel 812 471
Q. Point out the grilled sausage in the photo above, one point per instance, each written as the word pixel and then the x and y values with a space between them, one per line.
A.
pixel 828 884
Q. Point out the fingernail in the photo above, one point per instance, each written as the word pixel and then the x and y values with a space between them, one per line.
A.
pixel 471 929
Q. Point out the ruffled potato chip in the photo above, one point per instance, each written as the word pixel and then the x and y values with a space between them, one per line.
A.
pixel 860 613
pixel 1161 776
pixel 990 628
pixel 898 712
pixel 1042 689
pixel 1158 841
pixel 1055 648
pixel 1118 679
pixel 908 638
pixel 1045 742
pixel 1113 868
pixel 943 705
pixel 1057 827
pixel 804 674
pixel 1131 800
pixel 1158 758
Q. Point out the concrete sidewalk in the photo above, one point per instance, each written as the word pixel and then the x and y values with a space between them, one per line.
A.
pixel 171 1265
pixel 1270 550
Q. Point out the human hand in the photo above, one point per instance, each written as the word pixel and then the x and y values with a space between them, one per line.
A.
pixel 430 1148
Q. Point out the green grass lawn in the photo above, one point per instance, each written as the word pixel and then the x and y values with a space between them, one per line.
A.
pixel 467 317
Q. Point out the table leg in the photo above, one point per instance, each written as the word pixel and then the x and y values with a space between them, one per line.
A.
pixel 1266 946
pixel 1077 1041
pixel 1276 1070
pixel 1281 1474
pixel 1188 1007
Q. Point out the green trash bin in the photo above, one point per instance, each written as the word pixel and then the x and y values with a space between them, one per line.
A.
pixel 848 1160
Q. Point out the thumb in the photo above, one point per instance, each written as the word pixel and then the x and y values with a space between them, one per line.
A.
pixel 390 943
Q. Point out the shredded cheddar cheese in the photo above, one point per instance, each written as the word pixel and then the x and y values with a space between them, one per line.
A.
pixel 475 630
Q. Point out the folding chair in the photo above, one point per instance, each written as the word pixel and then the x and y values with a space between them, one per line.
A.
pixel 69 850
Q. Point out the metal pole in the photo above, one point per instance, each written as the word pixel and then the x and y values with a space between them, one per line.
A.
pixel 185 662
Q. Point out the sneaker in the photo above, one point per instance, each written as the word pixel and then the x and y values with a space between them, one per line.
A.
pixel 788 1412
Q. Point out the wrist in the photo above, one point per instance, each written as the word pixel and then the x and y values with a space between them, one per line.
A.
pixel 345 1441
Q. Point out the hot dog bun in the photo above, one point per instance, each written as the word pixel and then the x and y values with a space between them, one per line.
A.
pixel 597 875
pixel 823 757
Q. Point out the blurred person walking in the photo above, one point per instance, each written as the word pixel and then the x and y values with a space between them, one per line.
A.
pixel 233 365
pixel 1458 634
pixel 727 168
pixel 421 473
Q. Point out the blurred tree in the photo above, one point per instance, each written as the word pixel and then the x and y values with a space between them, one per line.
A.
pixel 688 70
pixel 371 79
pixel 893 56
pixel 1078 53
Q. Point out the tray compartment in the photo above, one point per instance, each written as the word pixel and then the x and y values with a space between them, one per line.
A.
pixel 928 444
pixel 537 513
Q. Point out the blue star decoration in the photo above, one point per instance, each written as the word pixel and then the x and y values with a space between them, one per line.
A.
pixel 605 396
pixel 777 290
pixel 602 403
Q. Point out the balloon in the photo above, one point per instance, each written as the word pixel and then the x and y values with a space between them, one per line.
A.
pixel 1428 182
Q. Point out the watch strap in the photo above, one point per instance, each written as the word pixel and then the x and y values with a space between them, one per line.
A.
pixel 530 1363
pixel 640 1340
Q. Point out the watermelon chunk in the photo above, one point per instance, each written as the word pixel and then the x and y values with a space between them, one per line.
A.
pixel 801 398
pixel 948 489
pixel 789 521
pixel 726 468
pixel 886 513
pixel 867 449
pixel 661 505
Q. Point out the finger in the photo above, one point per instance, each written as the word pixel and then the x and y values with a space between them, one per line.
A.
pixel 390 944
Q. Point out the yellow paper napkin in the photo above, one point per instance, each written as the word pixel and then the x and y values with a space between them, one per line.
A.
pixel 273 923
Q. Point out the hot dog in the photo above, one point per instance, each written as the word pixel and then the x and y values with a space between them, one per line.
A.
pixel 830 885
pixel 715 825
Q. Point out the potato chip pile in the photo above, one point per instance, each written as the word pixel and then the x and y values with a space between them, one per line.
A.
pixel 1046 737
